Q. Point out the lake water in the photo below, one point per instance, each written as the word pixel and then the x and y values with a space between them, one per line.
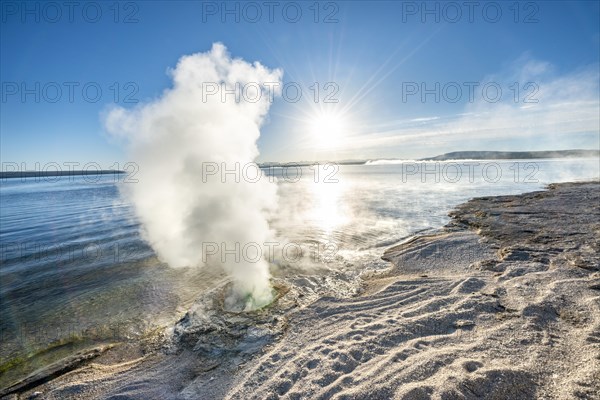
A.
pixel 74 267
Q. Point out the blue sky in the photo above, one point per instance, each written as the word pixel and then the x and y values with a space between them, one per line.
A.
pixel 372 51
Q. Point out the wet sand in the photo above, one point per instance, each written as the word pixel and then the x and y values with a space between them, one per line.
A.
pixel 502 303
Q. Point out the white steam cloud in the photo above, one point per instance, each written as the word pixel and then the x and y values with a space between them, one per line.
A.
pixel 172 139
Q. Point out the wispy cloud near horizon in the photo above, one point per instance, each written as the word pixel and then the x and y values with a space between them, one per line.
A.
pixel 546 110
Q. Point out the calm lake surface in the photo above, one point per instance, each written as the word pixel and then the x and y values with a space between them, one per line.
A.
pixel 74 266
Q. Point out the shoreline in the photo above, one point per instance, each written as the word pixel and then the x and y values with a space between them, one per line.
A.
pixel 503 300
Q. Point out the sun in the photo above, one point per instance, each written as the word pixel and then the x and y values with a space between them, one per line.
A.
pixel 327 130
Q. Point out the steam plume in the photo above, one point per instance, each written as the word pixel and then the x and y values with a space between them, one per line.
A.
pixel 172 138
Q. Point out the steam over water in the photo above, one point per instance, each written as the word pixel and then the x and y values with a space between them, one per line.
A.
pixel 73 262
pixel 173 139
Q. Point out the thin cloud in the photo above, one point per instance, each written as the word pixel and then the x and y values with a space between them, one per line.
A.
pixel 555 110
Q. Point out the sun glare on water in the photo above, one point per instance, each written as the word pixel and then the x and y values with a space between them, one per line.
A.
pixel 328 211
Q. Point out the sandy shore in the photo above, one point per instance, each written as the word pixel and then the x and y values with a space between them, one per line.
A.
pixel 502 303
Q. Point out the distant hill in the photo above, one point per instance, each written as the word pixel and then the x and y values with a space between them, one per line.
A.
pixel 39 174
pixel 308 163
pixel 512 155
pixel 455 155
